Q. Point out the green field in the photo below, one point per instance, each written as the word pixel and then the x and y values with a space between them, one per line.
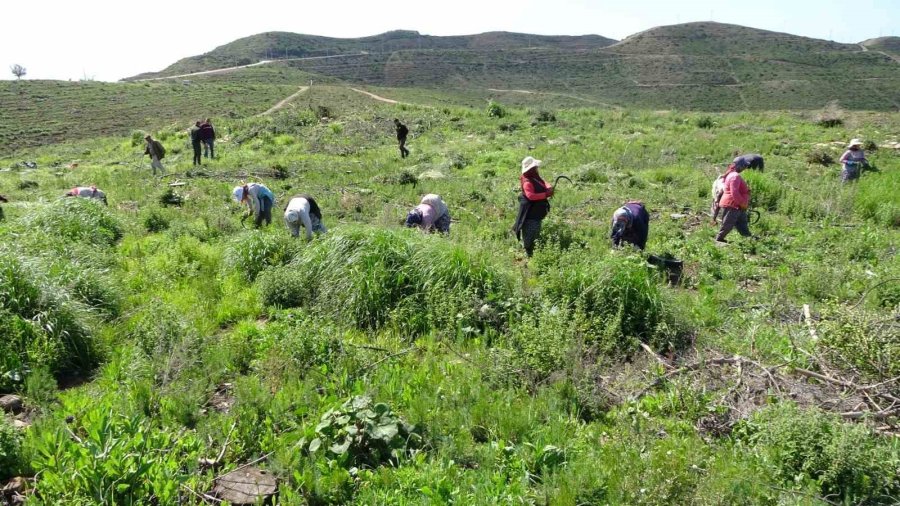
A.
pixel 378 365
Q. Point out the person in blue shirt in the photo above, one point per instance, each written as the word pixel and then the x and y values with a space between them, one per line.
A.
pixel 260 199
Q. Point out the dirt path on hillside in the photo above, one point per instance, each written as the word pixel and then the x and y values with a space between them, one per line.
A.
pixel 239 67
pixel 284 102
pixel 376 97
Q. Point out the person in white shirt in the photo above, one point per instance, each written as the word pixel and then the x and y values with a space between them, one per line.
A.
pixel 302 210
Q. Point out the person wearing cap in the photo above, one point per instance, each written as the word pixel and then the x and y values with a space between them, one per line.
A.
pixel 87 192
pixel 430 215
pixel 302 210
pixel 734 201
pixel 260 199
pixel 402 132
pixel 533 204
pixel 156 152
pixel 753 160
pixel 853 160
pixel 631 224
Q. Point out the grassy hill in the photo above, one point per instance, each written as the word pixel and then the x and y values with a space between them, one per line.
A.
pixel 890 45
pixel 46 112
pixel 695 66
pixel 284 45
pixel 161 342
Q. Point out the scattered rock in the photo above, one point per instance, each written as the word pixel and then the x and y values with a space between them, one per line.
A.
pixel 28 165
pixel 432 174
pixel 11 404
pixel 250 485
pixel 223 398
pixel 20 424
pixel 677 216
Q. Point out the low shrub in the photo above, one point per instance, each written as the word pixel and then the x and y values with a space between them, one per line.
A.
pixel 360 433
pixel 844 460
pixel 372 277
pixel 113 460
pixel 830 122
pixel 39 326
pixel 544 117
pixel 765 190
pixel 705 122
pixel 170 197
pixel 544 339
pixel 620 297
pixel 11 460
pixel 252 252
pixel 296 339
pixel 495 110
pixel 154 221
pixel 77 219
pixel 862 339
pixel 157 328
pixel 284 287
pixel 819 157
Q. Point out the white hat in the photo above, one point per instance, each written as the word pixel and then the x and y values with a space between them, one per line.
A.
pixel 854 142
pixel 238 193
pixel 529 163
pixel 292 216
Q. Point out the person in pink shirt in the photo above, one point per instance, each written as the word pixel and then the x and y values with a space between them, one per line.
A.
pixel 734 201
pixel 430 215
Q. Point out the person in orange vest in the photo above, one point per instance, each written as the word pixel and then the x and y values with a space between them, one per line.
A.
pixel 734 201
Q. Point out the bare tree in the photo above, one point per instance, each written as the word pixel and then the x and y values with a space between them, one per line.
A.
pixel 17 71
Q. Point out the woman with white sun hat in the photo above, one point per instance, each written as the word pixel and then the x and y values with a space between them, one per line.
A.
pixel 853 161
pixel 533 204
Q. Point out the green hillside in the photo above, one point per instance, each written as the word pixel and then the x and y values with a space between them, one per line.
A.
pixel 45 112
pixel 161 342
pixel 694 66
pixel 284 45
pixel 890 45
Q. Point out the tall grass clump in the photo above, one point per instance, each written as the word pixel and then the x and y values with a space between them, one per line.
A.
pixel 76 219
pixel 765 191
pixel 40 326
pixel 619 295
pixel 878 198
pixel 372 277
pixel 252 252
pixel 843 460
pixel 11 462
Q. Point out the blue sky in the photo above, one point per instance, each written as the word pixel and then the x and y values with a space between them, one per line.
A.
pixel 109 39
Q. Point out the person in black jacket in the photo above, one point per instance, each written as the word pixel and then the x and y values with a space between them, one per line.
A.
pixel 208 136
pixel 195 142
pixel 631 224
pixel 402 132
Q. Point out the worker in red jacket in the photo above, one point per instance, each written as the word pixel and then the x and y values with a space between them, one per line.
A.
pixel 735 201
pixel 533 204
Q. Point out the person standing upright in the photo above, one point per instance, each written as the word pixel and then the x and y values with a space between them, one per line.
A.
pixel 195 142
pixel 208 136
pixel 402 133
pixel 533 204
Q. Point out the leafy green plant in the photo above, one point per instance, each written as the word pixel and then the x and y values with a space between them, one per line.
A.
pixel 705 122
pixel 861 338
pixel 76 219
pixel 111 459
pixel 11 462
pixel 842 459
pixel 252 252
pixel 154 221
pixel 819 157
pixel 495 110
pixel 362 433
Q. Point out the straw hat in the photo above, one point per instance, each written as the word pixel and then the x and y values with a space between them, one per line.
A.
pixel 529 163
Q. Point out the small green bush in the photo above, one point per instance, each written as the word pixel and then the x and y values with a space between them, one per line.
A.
pixel 11 461
pixel 296 339
pixel 705 122
pixel 765 191
pixel 285 287
pixel 360 433
pixel 843 459
pixel 819 157
pixel 252 252
pixel 77 219
pixel 495 110
pixel 861 338
pixel 157 329
pixel 154 221
pixel 830 122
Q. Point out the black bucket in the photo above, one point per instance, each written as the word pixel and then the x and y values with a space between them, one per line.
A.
pixel 672 266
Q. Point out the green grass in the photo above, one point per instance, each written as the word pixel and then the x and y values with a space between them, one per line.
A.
pixel 517 377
